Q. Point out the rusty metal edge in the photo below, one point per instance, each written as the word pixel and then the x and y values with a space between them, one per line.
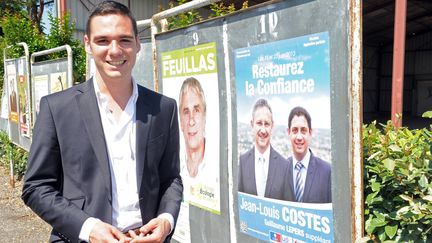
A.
pixel 356 110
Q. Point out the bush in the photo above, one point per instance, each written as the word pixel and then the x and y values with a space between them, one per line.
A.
pixel 183 19
pixel 398 187
pixel 62 34
pixel 18 28
pixel 193 16
pixel 19 155
pixel 220 9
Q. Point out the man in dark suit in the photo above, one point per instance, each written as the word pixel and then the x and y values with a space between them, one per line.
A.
pixel 263 170
pixel 309 177
pixel 104 162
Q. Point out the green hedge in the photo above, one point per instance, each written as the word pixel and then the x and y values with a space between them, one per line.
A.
pixel 397 183
pixel 19 155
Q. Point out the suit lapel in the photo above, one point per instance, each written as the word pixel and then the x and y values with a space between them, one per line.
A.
pixel 290 175
pixel 251 172
pixel 311 172
pixel 143 123
pixel 89 109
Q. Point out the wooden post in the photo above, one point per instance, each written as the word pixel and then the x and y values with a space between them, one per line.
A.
pixel 398 62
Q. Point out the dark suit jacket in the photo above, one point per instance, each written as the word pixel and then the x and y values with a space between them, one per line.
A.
pixel 277 174
pixel 68 176
pixel 318 181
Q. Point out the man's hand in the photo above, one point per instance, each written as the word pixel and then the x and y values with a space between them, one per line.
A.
pixel 105 233
pixel 154 231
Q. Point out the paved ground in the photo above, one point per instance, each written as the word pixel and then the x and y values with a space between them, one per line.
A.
pixel 17 222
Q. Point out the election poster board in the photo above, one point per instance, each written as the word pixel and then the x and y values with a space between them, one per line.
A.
pixel 17 108
pixel 285 73
pixel 48 77
pixel 11 75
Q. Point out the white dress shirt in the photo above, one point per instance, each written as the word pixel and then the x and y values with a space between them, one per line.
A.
pixel 184 172
pixel 261 170
pixel 120 138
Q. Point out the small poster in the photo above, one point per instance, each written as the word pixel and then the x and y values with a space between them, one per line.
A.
pixel 40 90
pixel 12 91
pixel 58 82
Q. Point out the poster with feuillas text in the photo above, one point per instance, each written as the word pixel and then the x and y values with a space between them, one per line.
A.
pixel 189 76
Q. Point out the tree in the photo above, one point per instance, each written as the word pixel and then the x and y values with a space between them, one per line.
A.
pixel 61 34
pixel 18 27
pixel 35 13
pixel 8 6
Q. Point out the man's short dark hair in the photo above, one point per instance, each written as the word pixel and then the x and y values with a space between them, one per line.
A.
pixel 299 111
pixel 111 7
pixel 261 103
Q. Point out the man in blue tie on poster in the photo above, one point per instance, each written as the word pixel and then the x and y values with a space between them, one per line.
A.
pixel 309 177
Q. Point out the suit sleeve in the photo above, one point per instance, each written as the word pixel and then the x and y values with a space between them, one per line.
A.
pixel 171 187
pixel 240 186
pixel 43 179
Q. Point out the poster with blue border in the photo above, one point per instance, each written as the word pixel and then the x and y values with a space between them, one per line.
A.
pixel 286 74
pixel 283 221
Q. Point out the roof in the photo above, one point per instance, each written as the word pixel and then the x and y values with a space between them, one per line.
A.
pixel 378 20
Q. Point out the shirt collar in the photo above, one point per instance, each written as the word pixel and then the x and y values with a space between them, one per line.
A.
pixel 134 91
pixel 266 154
pixel 102 99
pixel 305 161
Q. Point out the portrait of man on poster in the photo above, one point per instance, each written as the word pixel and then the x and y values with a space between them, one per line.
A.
pixel 309 177
pixel 193 109
pixel 13 96
pixel 262 170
